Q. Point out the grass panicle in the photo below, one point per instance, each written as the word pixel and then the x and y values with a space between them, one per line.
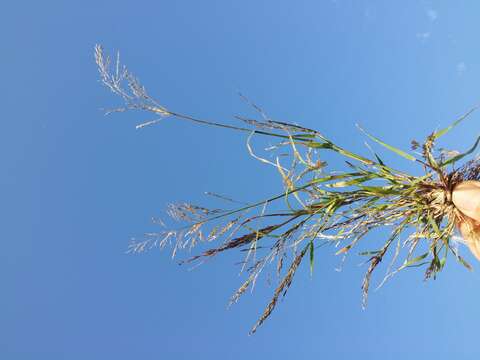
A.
pixel 318 206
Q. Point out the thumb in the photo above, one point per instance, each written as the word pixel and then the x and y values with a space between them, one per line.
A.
pixel 466 198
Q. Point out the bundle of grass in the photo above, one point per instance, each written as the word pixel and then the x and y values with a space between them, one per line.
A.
pixel 325 207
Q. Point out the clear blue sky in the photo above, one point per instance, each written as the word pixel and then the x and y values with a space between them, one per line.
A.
pixel 75 185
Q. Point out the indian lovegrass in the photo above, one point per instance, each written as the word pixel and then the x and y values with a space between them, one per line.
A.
pixel 321 206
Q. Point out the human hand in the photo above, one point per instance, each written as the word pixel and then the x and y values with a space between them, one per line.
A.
pixel 466 198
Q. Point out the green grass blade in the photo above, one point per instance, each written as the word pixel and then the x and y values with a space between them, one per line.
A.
pixel 335 177
pixel 389 147
pixel 434 225
pixel 442 132
pixel 380 190
pixel 356 181
pixel 415 260
pixel 331 146
pixel 464 263
pixel 461 156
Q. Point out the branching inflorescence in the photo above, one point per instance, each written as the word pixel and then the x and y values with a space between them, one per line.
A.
pixel 321 206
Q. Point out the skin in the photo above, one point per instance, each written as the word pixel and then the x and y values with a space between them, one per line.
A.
pixel 470 234
pixel 466 198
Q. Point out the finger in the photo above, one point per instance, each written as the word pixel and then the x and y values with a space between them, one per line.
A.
pixel 471 236
pixel 466 198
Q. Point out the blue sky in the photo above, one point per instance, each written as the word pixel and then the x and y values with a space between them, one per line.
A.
pixel 76 185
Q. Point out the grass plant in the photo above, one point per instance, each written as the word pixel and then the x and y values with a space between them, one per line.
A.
pixel 321 206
